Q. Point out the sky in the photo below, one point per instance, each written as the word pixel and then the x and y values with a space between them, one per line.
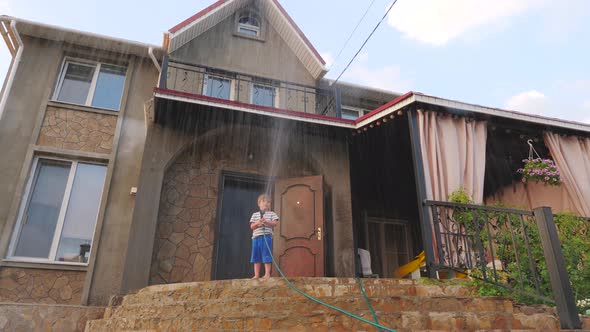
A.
pixel 525 55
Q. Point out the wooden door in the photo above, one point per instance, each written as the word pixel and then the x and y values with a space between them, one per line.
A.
pixel 299 241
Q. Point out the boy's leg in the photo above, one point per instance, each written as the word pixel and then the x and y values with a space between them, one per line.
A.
pixel 267 267
pixel 256 257
pixel 256 270
pixel 266 255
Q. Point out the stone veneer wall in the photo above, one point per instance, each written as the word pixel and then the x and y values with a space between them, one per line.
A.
pixel 77 130
pixel 25 285
pixel 43 317
pixel 184 243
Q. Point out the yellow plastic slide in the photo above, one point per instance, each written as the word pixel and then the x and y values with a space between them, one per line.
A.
pixel 412 266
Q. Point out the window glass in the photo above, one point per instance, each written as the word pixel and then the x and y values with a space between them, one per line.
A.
pixel 218 87
pixel 247 31
pixel 76 83
pixel 109 87
pixel 263 95
pixel 42 213
pixel 80 220
pixel 349 114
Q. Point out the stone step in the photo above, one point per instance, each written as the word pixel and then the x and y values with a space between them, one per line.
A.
pixel 402 321
pixel 165 307
pixel 275 287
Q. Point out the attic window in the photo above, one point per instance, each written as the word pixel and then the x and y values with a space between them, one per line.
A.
pixel 249 24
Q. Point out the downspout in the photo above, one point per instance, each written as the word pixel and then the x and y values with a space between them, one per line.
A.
pixel 154 60
pixel 15 37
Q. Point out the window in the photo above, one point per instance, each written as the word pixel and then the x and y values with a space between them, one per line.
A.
pixel 249 24
pixel 217 87
pixel 263 95
pixel 352 113
pixel 57 218
pixel 91 84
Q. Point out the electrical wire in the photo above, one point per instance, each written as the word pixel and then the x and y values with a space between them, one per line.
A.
pixel 365 42
pixel 352 33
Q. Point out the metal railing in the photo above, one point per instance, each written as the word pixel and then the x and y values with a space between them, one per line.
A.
pixel 518 250
pixel 248 89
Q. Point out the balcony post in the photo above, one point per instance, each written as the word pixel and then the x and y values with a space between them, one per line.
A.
pixel 560 282
pixel 338 101
pixel 423 210
pixel 163 73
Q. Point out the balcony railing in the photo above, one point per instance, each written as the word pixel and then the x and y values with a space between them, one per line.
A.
pixel 248 89
pixel 518 250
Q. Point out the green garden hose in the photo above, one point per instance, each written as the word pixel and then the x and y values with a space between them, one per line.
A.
pixel 295 288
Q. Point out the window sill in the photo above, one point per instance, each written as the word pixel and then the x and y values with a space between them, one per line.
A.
pixel 243 35
pixel 7 262
pixel 82 108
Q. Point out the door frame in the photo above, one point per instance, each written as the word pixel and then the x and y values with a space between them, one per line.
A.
pixel 382 221
pixel 247 177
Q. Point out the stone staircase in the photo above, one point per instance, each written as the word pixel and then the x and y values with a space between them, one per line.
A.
pixel 257 305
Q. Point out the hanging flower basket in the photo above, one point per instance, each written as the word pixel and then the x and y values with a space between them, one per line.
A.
pixel 539 170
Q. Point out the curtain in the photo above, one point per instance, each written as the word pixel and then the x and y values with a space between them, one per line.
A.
pixel 572 157
pixel 532 195
pixel 454 155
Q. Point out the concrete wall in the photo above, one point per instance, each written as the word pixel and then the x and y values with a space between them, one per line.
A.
pixel 220 47
pixel 176 203
pixel 33 125
pixel 108 269
pixel 25 105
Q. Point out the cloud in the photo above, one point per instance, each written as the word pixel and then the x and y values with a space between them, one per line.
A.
pixel 586 105
pixel 387 78
pixel 532 101
pixel 437 22
pixel 5 7
pixel 328 57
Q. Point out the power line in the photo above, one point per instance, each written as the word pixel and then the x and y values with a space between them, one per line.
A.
pixel 366 40
pixel 353 31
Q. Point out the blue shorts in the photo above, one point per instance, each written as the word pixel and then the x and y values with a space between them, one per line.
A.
pixel 260 253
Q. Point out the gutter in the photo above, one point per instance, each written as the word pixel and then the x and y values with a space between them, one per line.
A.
pixel 15 45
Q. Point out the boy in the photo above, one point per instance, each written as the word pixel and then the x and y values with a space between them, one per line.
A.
pixel 262 223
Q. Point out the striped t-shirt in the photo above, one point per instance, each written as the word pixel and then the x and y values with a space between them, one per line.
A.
pixel 263 230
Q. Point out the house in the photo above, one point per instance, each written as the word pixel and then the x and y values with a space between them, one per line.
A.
pixel 126 164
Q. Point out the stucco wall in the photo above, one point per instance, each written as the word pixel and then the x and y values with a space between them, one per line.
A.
pixel 77 130
pixel 40 286
pixel 219 47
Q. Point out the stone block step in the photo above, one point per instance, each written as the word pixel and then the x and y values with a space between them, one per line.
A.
pixel 165 307
pixel 402 321
pixel 276 287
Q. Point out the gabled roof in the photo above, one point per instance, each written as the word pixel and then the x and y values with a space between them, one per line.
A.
pixel 273 12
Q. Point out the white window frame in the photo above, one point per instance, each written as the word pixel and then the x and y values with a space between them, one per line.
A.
pixel 358 110
pixel 257 29
pixel 60 220
pixel 276 99
pixel 97 65
pixel 206 84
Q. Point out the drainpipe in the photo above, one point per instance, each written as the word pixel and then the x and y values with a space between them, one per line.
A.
pixel 153 57
pixel 18 47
